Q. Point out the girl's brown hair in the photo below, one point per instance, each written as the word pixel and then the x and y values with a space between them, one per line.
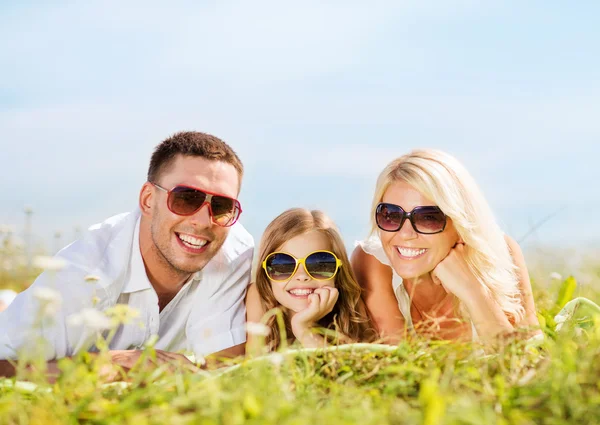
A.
pixel 348 316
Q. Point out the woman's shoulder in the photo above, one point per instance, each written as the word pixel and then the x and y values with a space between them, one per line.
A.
pixel 513 245
pixel 373 247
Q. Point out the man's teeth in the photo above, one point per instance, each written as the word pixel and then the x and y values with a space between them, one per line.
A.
pixel 301 292
pixel 192 241
pixel 409 252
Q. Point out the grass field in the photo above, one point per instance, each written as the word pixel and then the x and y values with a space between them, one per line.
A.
pixel 420 381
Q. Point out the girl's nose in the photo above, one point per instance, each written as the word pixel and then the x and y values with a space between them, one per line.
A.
pixel 301 274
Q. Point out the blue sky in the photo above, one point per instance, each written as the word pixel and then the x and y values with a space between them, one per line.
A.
pixel 315 96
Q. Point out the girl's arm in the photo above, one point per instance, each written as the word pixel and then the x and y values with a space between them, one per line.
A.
pixel 375 280
pixel 320 304
pixel 307 337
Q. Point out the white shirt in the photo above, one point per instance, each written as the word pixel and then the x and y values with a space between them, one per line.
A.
pixel 207 315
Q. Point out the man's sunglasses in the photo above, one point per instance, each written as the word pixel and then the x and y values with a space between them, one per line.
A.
pixel 425 220
pixel 187 200
pixel 320 265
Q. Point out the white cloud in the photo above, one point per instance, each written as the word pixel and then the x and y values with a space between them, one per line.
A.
pixel 350 160
pixel 333 89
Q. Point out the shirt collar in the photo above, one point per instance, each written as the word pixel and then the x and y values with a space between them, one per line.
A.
pixel 138 279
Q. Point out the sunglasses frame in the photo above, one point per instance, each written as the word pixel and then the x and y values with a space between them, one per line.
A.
pixel 338 265
pixel 409 215
pixel 207 200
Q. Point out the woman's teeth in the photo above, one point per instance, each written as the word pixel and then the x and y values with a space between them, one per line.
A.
pixel 410 252
pixel 192 242
pixel 301 292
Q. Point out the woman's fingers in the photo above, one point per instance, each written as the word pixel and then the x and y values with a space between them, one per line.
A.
pixel 437 280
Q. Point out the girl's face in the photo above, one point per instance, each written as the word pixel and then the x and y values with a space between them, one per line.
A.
pixel 414 254
pixel 293 293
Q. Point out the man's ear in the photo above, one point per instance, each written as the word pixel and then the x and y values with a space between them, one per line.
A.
pixel 146 198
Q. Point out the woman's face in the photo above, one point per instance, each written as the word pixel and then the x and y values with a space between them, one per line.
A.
pixel 293 294
pixel 413 254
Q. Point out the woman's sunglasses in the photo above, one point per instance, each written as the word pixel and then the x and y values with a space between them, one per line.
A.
pixel 425 220
pixel 320 265
pixel 186 200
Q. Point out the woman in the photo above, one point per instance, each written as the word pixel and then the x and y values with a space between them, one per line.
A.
pixel 437 256
pixel 305 272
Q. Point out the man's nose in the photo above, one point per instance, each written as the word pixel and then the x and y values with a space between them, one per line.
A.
pixel 202 218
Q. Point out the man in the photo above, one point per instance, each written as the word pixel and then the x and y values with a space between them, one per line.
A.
pixel 180 260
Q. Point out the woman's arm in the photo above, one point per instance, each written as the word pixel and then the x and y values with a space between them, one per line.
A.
pixel 530 319
pixel 375 279
pixel 487 316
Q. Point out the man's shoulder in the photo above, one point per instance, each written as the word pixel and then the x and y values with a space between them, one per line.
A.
pixel 109 231
pixel 115 222
pixel 238 243
pixel 105 246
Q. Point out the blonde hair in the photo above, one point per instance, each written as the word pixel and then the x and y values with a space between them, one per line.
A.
pixel 445 181
pixel 345 315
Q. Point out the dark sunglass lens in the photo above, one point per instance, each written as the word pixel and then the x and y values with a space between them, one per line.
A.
pixel 321 265
pixel 224 209
pixel 429 220
pixel 280 266
pixel 389 217
pixel 185 200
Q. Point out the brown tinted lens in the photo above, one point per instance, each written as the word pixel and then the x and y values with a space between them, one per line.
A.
pixel 429 219
pixel 224 209
pixel 389 217
pixel 185 200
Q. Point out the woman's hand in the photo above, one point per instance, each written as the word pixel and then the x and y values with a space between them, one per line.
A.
pixel 320 303
pixel 454 275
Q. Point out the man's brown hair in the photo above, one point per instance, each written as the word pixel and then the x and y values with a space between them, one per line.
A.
pixel 192 143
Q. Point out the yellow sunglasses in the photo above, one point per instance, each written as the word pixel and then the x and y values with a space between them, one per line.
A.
pixel 320 265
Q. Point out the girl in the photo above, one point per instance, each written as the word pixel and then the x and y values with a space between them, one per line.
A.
pixel 435 246
pixel 304 270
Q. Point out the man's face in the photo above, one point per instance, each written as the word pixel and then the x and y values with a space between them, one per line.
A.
pixel 188 243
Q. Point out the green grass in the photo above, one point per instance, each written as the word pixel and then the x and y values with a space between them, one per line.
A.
pixel 420 381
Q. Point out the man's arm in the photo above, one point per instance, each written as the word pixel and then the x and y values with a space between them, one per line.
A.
pixel 7 369
pixel 121 362
pixel 41 312
pixel 231 352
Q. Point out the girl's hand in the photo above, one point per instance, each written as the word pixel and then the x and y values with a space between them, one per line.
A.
pixel 454 275
pixel 320 303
